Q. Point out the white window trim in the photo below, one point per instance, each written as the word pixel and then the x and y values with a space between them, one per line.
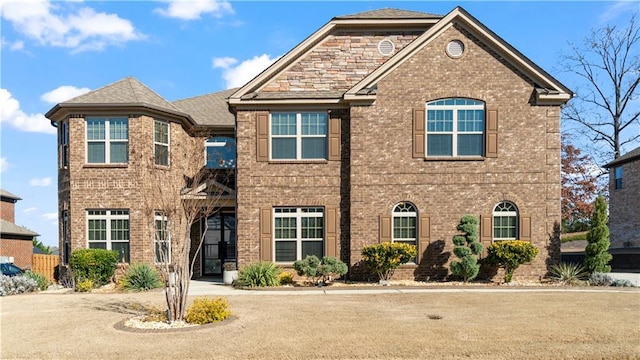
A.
pixel 155 122
pixel 397 214
pixel 107 139
pixel 454 133
pixel 108 216
pixel 298 136
pixel 504 214
pixel 167 240
pixel 298 215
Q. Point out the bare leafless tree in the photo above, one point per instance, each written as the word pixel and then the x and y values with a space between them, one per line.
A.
pixel 604 110
pixel 179 196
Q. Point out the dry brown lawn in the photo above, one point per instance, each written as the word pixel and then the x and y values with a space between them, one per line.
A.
pixel 433 325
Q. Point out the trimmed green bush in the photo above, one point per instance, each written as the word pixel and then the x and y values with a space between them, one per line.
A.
pixel 320 270
pixel 205 310
pixel 596 254
pixel 385 258
pixel 568 273
pixel 259 274
pixel 140 277
pixel 42 281
pixel 510 254
pixel 97 265
pixel 467 249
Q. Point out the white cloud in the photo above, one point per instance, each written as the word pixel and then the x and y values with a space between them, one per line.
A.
pixel 617 8
pixel 30 210
pixel 4 164
pixel 241 73
pixel 44 182
pixel 194 9
pixel 50 216
pixel 11 114
pixel 14 46
pixel 83 30
pixel 63 93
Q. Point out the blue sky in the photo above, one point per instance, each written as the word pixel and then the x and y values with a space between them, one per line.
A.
pixel 53 50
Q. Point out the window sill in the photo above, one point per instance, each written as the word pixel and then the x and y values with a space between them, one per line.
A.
pixel 321 161
pixel 454 158
pixel 105 166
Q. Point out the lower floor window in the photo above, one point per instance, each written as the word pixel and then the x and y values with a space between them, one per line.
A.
pixel 162 239
pixel 109 229
pixel 299 232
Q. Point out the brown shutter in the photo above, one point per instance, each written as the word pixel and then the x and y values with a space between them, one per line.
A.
pixel 266 240
pixel 385 229
pixel 418 133
pixel 331 232
pixel 424 235
pixel 486 232
pixel 525 228
pixel 262 137
pixel 492 134
pixel 334 139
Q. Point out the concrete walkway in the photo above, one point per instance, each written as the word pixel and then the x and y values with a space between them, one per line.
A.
pixel 217 288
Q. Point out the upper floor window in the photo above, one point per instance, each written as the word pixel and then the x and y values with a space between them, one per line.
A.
pixel 505 221
pixel 109 229
pixel 107 140
pixel 618 177
pixel 64 144
pixel 298 232
pixel 455 127
pixel 220 153
pixel 161 142
pixel 299 136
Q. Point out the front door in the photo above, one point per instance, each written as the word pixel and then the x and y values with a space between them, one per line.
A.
pixel 219 243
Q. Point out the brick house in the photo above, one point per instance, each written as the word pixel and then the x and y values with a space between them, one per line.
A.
pixel 624 198
pixel 15 241
pixel 387 125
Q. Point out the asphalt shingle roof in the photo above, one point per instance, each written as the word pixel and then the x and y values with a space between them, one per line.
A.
pixel 5 194
pixel 389 13
pixel 209 109
pixel 7 227
pixel 630 156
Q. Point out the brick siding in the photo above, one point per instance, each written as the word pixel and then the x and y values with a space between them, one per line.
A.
pixel 20 249
pixel 624 217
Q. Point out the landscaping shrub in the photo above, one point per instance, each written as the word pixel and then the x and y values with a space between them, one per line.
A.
pixel 84 285
pixel 205 310
pixel 140 277
pixel 42 281
pixel 568 273
pixel 385 258
pixel 596 254
pixel 11 285
pixel 467 249
pixel 285 278
pixel 602 279
pixel 97 265
pixel 510 254
pixel 259 274
pixel 320 270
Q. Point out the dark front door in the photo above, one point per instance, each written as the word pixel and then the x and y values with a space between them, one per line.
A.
pixel 219 243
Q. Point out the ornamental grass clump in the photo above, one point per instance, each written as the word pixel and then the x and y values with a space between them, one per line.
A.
pixel 510 254
pixel 259 274
pixel 568 273
pixel 205 310
pixel 467 249
pixel 140 277
pixel 385 258
pixel 40 279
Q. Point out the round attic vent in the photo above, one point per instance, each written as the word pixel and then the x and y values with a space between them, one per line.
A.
pixel 386 47
pixel 455 48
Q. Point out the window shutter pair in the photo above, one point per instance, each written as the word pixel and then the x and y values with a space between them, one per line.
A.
pixel 419 133
pixel 486 230
pixel 424 231
pixel 266 233
pixel 334 141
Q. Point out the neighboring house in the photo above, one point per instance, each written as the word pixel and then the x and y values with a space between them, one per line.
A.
pixel 15 241
pixel 624 200
pixel 388 125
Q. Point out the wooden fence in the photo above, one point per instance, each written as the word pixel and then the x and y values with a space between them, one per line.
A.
pixel 45 265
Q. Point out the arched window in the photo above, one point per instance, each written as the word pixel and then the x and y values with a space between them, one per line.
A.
pixel 220 153
pixel 455 127
pixel 505 221
pixel 405 223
